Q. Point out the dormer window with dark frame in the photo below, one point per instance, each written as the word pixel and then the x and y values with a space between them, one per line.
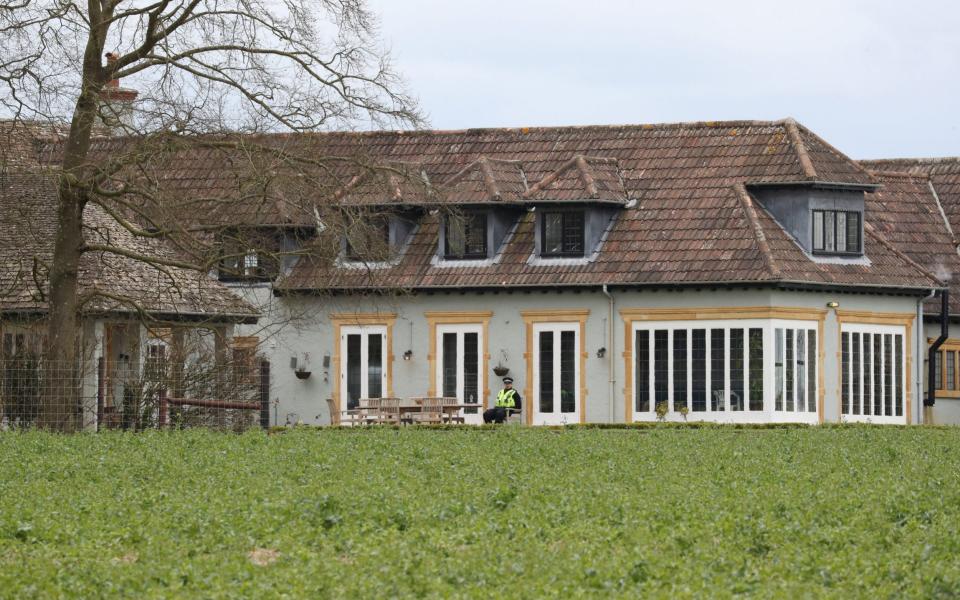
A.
pixel 466 237
pixel 249 256
pixel 837 232
pixel 562 233
pixel 369 240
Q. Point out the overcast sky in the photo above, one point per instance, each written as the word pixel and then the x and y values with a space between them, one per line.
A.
pixel 875 78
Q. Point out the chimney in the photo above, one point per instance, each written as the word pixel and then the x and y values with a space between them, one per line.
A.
pixel 116 107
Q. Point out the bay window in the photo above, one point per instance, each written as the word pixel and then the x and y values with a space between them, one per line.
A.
pixel 729 370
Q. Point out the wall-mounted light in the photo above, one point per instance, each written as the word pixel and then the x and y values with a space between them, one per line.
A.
pixel 408 355
pixel 833 304
pixel 601 352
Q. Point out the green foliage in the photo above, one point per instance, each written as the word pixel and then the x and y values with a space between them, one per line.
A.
pixel 660 510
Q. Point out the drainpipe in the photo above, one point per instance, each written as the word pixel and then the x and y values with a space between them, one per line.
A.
pixel 611 350
pixel 921 341
pixel 931 398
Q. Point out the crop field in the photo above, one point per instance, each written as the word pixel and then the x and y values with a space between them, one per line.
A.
pixel 838 511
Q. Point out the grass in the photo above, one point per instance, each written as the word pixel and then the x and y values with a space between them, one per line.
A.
pixel 837 511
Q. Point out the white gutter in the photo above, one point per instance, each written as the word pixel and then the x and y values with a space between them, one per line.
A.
pixel 611 353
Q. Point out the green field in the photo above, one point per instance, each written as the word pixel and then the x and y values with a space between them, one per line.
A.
pixel 843 512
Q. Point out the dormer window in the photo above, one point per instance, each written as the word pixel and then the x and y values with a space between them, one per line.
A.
pixel 837 232
pixel 466 236
pixel 562 233
pixel 369 240
pixel 249 256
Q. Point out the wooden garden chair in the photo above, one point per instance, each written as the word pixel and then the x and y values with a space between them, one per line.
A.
pixel 387 411
pixel 451 417
pixel 352 416
pixel 431 411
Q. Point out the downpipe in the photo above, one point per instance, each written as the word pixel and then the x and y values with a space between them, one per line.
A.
pixel 611 365
pixel 931 398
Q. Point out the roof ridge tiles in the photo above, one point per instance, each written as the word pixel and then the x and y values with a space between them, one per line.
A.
pixel 796 140
pixel 760 239
pixel 880 173
pixel 803 130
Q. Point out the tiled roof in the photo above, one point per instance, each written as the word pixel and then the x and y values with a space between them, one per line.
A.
pixel 690 224
pixel 944 174
pixel 114 283
pixel 907 213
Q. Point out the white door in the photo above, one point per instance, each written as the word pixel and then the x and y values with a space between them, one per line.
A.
pixel 556 373
pixel 459 371
pixel 363 364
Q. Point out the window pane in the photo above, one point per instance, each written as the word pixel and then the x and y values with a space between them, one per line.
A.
pixel 699 370
pixel 841 231
pixel 477 236
pixel 853 232
pixel 857 369
pixel 789 385
pixel 898 371
pixel 471 370
pixel 888 375
pixel 877 402
pixel 951 369
pixel 449 365
pixel 812 358
pixel 568 373
pixel 679 368
pixel 801 370
pixel 718 375
pixel 736 369
pixel 818 230
pixel 642 352
pixel 552 233
pixel 573 232
pixel 660 368
pixel 375 365
pixel 353 370
pixel 867 374
pixel 829 241
pixel 546 371
pixel 845 373
pixel 756 369
pixel 456 236
pixel 778 369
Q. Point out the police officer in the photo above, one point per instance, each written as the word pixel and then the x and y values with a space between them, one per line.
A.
pixel 508 400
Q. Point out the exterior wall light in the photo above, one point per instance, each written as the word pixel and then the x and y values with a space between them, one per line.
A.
pixel 601 352
pixel 833 304
pixel 408 355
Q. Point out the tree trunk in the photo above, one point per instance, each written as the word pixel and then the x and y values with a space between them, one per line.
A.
pixel 60 407
pixel 60 404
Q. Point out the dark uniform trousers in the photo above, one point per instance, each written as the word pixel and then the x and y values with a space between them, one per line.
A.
pixel 499 414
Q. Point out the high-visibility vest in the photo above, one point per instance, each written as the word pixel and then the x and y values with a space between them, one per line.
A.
pixel 505 399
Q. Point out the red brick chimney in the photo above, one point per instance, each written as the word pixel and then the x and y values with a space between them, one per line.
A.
pixel 119 100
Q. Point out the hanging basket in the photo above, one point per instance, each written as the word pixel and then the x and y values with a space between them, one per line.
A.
pixel 500 371
pixel 302 374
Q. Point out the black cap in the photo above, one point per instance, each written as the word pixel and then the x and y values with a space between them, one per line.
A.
pixel 508 379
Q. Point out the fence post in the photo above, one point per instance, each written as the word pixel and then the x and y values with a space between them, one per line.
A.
pixel 100 392
pixel 162 421
pixel 265 394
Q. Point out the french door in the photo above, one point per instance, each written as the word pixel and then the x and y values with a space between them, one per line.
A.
pixel 363 366
pixel 556 373
pixel 459 372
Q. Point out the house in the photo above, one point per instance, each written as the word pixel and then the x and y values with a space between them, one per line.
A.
pixel 134 313
pixel 741 271
pixel 732 271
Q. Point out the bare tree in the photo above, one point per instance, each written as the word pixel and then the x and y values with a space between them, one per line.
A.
pixel 205 70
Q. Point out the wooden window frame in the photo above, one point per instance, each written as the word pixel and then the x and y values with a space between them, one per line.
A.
pixel 564 252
